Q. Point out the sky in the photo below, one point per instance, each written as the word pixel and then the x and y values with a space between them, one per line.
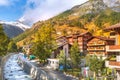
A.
pixel 31 11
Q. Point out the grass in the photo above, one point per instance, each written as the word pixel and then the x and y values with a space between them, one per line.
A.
pixel 74 72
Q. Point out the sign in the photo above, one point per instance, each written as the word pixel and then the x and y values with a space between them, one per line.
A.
pixel 85 71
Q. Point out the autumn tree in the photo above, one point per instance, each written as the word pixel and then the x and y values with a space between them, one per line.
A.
pixel 44 42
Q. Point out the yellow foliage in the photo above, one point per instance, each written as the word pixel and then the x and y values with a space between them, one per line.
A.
pixel 72 17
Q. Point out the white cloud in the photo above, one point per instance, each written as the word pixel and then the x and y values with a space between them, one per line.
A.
pixel 3 2
pixel 7 2
pixel 36 10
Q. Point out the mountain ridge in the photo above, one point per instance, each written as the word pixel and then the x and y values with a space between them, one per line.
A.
pixel 13 29
pixel 92 16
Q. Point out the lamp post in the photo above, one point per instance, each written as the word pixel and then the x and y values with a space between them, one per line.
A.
pixel 65 63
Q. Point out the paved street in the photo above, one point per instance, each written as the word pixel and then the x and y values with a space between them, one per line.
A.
pixel 57 75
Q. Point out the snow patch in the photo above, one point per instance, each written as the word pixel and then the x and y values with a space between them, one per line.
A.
pixel 17 24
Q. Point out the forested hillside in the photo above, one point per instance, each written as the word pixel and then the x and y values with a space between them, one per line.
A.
pixel 92 16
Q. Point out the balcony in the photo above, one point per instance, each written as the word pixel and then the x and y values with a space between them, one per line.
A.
pixel 80 43
pixel 95 44
pixel 113 48
pixel 112 64
pixel 96 49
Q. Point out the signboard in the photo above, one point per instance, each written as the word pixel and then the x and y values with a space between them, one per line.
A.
pixel 85 71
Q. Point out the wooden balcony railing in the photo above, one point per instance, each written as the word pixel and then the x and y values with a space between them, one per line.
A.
pixel 114 63
pixel 96 49
pixel 113 48
pixel 94 44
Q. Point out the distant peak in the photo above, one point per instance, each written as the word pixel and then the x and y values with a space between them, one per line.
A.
pixel 17 24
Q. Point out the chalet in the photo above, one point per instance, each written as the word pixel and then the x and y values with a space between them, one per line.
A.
pixel 114 49
pixel 62 44
pixel 97 45
pixel 65 43
pixel 81 39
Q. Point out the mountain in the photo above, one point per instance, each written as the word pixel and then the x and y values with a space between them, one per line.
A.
pixel 112 3
pixel 92 16
pixel 13 29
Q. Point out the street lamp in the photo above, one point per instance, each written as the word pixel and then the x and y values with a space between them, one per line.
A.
pixel 65 61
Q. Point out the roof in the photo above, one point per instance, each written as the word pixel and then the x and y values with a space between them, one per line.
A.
pixel 103 38
pixel 72 35
pixel 84 33
pixel 60 37
pixel 116 26
pixel 62 44
pixel 76 35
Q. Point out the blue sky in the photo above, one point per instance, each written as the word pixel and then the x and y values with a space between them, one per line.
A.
pixel 31 11
pixel 11 10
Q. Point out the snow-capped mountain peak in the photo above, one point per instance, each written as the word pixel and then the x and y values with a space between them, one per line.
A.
pixel 17 24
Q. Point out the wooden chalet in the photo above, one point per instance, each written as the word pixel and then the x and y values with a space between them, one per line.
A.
pixel 65 43
pixel 82 40
pixel 97 45
pixel 114 49
pixel 62 44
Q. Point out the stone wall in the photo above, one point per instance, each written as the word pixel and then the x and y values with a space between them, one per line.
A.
pixel 35 72
pixel 3 61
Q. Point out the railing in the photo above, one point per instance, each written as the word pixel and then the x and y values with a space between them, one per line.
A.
pixel 114 63
pixel 95 44
pixel 113 48
pixel 96 49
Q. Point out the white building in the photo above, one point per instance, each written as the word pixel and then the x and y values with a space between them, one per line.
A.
pixel 53 63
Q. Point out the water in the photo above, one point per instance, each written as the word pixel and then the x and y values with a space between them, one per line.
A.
pixel 12 71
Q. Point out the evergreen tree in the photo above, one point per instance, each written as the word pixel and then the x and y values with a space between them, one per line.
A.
pixel 12 47
pixel 96 64
pixel 4 40
pixel 75 54
pixel 61 57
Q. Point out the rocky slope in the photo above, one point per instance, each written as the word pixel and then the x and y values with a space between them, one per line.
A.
pixel 12 29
